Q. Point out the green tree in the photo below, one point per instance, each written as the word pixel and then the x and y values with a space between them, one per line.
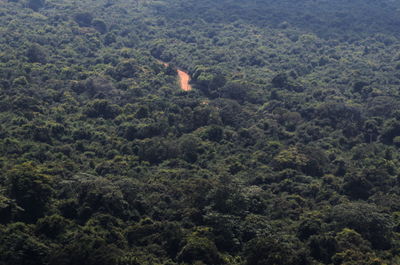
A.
pixel 373 224
pixel 199 249
pixel 83 19
pixel 268 250
pixel 102 108
pixel 85 249
pixel 19 246
pixel 31 190
pixel 99 25
pixel 36 4
pixel 36 54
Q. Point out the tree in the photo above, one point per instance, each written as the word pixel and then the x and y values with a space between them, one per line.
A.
pixel 19 245
pixel 36 54
pixel 84 19
pixel 99 25
pixel 371 131
pixel 209 80
pixel 199 249
pixel 236 90
pixel 52 226
pixel 214 133
pixel 373 224
pixel 30 189
pixel 8 209
pixel 269 250
pixel 36 4
pixel 352 249
pixel 85 249
pixel 156 150
pixel 390 130
pixel 110 38
pixel 340 115
pixel 280 80
pixel 323 247
pixel 357 186
pixel 94 195
pixel 126 69
pixel 102 108
pixel 310 160
pixel 189 147
pixel 308 228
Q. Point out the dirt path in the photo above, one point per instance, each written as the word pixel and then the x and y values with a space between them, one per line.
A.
pixel 184 78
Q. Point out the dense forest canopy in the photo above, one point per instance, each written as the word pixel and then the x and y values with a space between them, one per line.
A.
pixel 285 151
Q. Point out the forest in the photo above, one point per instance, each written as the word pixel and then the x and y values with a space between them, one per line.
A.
pixel 284 152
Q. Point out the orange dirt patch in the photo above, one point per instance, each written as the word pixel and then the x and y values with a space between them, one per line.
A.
pixel 184 77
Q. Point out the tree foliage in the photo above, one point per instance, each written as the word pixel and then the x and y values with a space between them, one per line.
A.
pixel 286 150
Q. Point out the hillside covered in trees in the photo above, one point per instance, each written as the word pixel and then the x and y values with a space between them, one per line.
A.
pixel 285 151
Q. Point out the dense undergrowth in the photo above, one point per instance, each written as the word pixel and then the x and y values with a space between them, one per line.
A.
pixel 285 152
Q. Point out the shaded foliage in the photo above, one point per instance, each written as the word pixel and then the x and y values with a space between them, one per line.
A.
pixel 286 150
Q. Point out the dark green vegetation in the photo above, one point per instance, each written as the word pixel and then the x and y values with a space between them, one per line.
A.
pixel 285 152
